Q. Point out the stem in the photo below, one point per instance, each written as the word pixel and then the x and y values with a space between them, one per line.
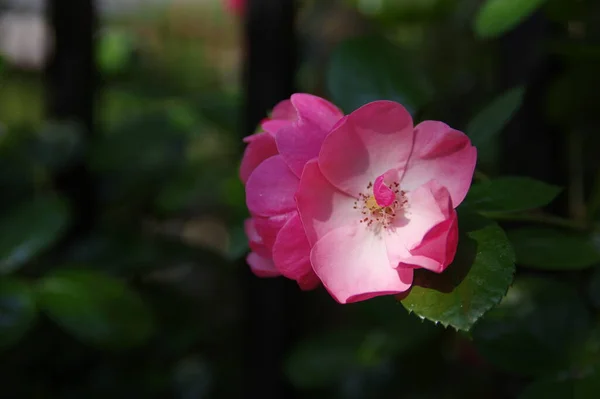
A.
pixel 541 218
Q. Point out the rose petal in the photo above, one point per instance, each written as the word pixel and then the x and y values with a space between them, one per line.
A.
pixel 384 196
pixel 271 187
pixel 427 206
pixel 370 141
pixel 268 228
pixel 260 266
pixel 273 126
pixel 323 207
pixel 284 110
pixel 438 248
pixel 261 146
pixel 301 141
pixel 309 282
pixel 283 114
pixel 291 252
pixel 255 241
pixel 352 264
pixel 443 154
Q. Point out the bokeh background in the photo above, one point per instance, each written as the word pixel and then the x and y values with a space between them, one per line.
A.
pixel 122 269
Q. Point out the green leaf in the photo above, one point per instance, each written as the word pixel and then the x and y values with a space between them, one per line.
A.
pixel 476 281
pixel 17 310
pixel 496 17
pixel 510 194
pixel 366 69
pixel 533 329
pixel 96 308
pixel 594 288
pixel 552 249
pixel 31 228
pixel 484 129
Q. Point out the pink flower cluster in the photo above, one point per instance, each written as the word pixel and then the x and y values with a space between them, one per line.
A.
pixel 354 202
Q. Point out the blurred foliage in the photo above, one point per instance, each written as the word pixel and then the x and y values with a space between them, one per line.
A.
pixel 497 195
pixel 386 74
pixel 553 249
pixel 484 129
pixel 499 16
pixel 146 303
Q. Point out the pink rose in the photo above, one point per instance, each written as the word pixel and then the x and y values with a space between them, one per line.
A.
pixel 271 168
pixel 379 200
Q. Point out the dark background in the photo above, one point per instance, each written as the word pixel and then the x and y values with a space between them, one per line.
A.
pixel 123 271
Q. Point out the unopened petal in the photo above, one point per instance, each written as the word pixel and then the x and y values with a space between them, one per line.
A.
pixel 384 196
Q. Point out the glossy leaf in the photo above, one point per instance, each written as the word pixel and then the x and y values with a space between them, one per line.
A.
pixel 510 194
pixel 486 126
pixel 496 17
pixel 31 228
pixel 367 69
pixel 476 281
pixel 533 329
pixel 552 249
pixel 17 310
pixel 96 308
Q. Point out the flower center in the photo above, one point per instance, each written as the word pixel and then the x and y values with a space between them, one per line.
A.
pixel 380 216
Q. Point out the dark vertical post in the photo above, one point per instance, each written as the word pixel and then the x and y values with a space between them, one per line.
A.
pixel 531 146
pixel 270 66
pixel 70 94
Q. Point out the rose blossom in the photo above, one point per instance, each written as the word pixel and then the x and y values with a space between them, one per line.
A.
pixel 379 200
pixel 271 169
